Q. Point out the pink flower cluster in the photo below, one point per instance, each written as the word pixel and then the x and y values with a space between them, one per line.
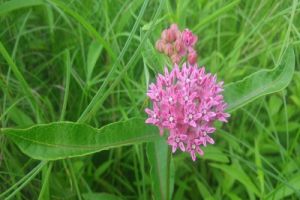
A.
pixel 187 102
pixel 177 44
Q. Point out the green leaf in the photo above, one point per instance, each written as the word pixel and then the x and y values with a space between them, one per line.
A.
pixel 61 140
pixel 261 83
pixel 162 168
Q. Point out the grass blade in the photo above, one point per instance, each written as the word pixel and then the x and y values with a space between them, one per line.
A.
pixel 18 4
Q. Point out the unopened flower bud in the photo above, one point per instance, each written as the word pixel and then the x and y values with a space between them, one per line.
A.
pixel 164 35
pixel 168 49
pixel 159 45
pixel 174 27
pixel 170 35
pixel 176 58
pixel 189 38
pixel 192 57
pixel 179 47
pixel 176 31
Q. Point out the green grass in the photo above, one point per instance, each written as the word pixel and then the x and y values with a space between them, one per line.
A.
pixel 91 61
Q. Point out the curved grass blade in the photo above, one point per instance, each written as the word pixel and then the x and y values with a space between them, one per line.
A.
pixel 60 140
pixel 18 4
pixel 261 83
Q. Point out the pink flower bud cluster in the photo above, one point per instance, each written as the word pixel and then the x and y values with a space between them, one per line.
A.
pixel 187 102
pixel 177 44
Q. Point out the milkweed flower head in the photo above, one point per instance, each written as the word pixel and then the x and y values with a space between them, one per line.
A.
pixel 177 44
pixel 186 102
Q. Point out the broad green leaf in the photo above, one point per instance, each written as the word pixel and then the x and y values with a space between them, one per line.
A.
pixel 261 83
pixel 61 140
pixel 18 4
pixel 162 168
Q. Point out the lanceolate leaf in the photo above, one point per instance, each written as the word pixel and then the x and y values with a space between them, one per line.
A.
pixel 67 139
pixel 261 83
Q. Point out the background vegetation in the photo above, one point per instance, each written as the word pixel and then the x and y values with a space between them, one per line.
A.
pixel 70 51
